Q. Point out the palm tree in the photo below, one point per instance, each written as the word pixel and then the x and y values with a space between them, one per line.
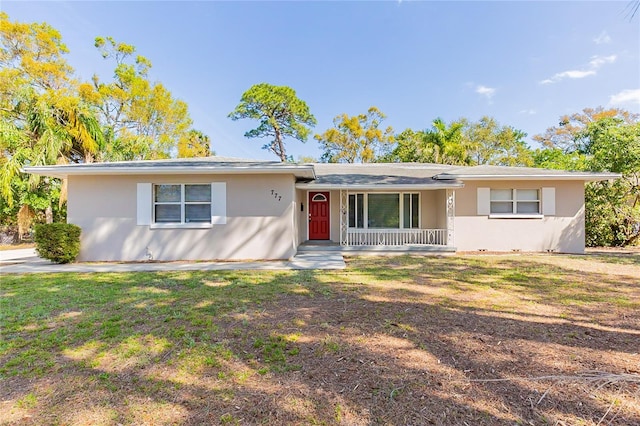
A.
pixel 445 143
pixel 632 9
pixel 37 132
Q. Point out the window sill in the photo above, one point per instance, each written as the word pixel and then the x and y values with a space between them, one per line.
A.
pixel 180 226
pixel 515 216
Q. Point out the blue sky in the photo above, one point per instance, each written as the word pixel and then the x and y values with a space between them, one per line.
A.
pixel 524 63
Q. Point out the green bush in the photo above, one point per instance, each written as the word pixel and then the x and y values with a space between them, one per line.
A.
pixel 58 242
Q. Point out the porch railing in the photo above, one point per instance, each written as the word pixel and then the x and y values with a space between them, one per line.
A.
pixel 396 237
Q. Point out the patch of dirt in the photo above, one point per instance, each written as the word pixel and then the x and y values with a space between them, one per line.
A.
pixel 404 360
pixel 392 341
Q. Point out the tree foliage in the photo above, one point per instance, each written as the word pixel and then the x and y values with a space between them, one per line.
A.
pixel 569 134
pixel 441 143
pixel 32 54
pixel 555 158
pixel 409 147
pixel 613 208
pixel 463 142
pixel 307 159
pixel 356 139
pixel 601 140
pixel 194 144
pixel 487 142
pixel 280 113
pixel 49 117
pixel 446 142
pixel 142 119
pixel 42 120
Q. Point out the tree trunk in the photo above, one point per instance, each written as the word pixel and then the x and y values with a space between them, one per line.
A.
pixel 48 214
pixel 279 145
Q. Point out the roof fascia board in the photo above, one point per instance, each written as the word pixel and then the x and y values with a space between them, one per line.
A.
pixel 594 177
pixel 63 172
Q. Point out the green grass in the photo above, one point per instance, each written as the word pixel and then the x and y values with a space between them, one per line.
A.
pixel 631 258
pixel 27 401
pixel 153 334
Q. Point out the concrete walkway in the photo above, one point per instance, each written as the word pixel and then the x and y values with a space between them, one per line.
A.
pixel 19 254
pixel 27 262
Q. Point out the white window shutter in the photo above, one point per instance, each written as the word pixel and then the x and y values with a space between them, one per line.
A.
pixel 144 201
pixel 549 201
pixel 484 201
pixel 218 203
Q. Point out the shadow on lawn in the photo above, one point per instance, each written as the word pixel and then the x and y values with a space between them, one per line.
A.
pixel 571 290
pixel 308 347
pixel 622 256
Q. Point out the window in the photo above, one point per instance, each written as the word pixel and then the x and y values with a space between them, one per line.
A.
pixel 356 210
pixel 182 204
pixel 515 201
pixel 384 211
pixel 410 211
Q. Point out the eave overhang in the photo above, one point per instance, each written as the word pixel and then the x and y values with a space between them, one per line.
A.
pixel 586 177
pixel 378 187
pixel 64 171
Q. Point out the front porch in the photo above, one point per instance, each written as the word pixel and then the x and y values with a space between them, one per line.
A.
pixel 374 208
pixel 408 215
pixel 381 222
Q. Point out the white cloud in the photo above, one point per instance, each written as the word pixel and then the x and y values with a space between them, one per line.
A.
pixel 486 91
pixel 568 74
pixel 598 61
pixel 629 96
pixel 603 38
pixel 528 111
pixel 594 64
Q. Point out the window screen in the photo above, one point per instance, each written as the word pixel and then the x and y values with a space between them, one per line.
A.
pixel 410 211
pixel 182 203
pixel 356 210
pixel 384 211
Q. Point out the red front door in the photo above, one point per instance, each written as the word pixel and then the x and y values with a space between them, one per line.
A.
pixel 318 215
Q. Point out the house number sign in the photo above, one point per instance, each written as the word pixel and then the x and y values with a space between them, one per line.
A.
pixel 276 195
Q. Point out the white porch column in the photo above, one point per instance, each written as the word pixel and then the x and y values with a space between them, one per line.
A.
pixel 344 219
pixel 451 214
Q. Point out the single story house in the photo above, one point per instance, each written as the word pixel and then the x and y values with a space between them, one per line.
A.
pixel 224 208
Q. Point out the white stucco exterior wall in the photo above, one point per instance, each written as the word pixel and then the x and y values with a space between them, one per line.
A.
pixel 258 226
pixel 562 232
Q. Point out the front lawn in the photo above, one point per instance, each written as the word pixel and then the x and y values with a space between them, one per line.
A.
pixel 530 339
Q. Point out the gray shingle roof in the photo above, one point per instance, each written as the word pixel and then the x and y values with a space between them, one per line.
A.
pixel 398 174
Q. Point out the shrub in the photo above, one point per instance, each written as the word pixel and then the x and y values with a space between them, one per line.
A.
pixel 58 242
